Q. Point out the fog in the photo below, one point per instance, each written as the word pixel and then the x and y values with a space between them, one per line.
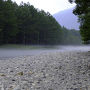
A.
pixel 10 53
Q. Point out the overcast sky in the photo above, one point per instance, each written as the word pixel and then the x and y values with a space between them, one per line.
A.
pixel 52 6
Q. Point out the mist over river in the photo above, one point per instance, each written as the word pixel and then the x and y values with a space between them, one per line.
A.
pixel 13 52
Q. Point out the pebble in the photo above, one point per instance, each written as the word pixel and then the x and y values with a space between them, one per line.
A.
pixel 48 71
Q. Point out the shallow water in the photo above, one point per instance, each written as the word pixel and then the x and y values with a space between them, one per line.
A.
pixel 9 53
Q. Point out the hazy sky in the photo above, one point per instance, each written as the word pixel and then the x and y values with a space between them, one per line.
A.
pixel 51 6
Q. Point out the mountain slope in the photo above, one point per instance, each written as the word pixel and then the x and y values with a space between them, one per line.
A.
pixel 67 18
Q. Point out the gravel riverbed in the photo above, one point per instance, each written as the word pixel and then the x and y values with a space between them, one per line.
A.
pixel 46 71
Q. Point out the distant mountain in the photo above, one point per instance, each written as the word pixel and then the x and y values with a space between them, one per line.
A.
pixel 67 18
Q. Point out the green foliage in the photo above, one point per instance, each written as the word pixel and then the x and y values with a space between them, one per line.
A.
pixel 70 36
pixel 83 11
pixel 8 21
pixel 23 24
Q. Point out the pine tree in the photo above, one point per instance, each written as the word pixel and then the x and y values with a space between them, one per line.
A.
pixel 82 10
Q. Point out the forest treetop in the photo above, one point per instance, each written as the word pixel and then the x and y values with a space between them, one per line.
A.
pixel 24 24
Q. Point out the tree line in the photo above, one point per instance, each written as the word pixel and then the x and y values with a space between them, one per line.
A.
pixel 24 24
pixel 82 10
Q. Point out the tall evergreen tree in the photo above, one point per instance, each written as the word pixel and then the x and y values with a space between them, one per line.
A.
pixel 1 21
pixel 8 21
pixel 82 10
pixel 24 24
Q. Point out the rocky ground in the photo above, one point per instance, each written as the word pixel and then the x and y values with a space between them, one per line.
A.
pixel 47 71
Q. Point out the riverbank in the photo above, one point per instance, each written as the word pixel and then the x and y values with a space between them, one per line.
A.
pixel 47 71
